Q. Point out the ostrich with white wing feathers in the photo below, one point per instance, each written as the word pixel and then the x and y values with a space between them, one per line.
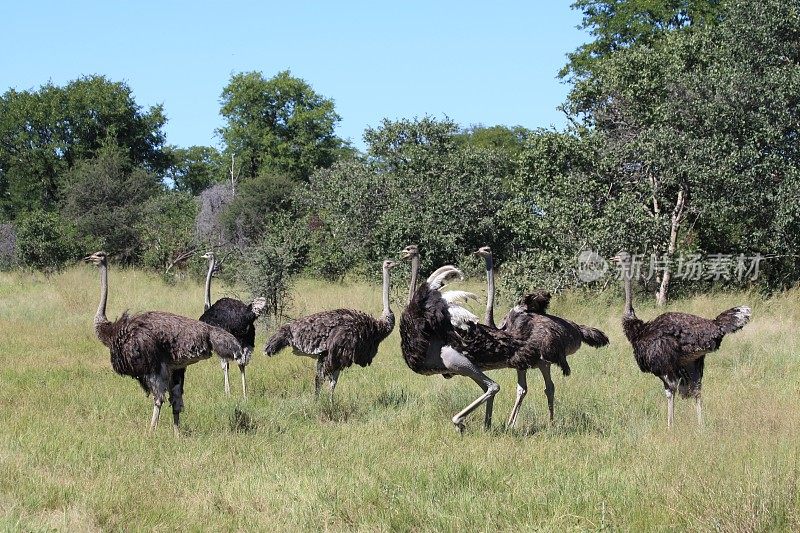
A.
pixel 439 336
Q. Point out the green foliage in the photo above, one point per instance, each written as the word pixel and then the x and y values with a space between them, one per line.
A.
pixel 256 200
pixel 45 133
pixel 167 230
pixel 45 241
pixel 267 270
pixel 420 185
pixel 105 198
pixel 278 125
pixel 619 24
pixel 196 168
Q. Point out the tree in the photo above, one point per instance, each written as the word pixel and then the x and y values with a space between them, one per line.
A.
pixel 196 168
pixel 105 197
pixel 45 133
pixel 278 125
pixel 420 185
pixel 166 230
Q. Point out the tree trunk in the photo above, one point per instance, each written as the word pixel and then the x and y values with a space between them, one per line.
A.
pixel 677 218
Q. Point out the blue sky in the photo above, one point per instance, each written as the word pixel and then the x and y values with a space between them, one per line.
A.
pixel 475 62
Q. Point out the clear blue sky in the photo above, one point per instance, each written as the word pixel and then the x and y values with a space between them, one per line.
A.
pixel 475 62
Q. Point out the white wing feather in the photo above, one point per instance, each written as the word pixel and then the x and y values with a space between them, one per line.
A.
pixel 461 317
pixel 458 297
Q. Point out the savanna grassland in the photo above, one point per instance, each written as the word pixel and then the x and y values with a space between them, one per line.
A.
pixel 75 454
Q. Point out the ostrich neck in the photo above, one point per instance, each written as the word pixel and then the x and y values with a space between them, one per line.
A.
pixel 414 271
pixel 100 316
pixel 387 315
pixel 489 317
pixel 626 275
pixel 208 283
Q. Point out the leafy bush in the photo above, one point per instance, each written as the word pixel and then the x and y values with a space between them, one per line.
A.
pixel 166 230
pixel 8 246
pixel 46 242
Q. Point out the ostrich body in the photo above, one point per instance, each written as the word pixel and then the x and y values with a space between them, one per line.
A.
pixel 156 347
pixel 438 336
pixel 337 338
pixel 235 317
pixel 554 337
pixel 673 345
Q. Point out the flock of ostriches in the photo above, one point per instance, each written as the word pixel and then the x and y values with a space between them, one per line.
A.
pixel 438 336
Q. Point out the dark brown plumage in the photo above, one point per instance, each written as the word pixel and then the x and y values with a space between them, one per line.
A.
pixel 555 337
pixel 673 346
pixel 437 336
pixel 235 317
pixel 156 347
pixel 337 339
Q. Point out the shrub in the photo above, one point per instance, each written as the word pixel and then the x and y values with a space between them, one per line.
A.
pixel 45 241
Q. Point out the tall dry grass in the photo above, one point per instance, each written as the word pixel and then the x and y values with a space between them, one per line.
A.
pixel 74 453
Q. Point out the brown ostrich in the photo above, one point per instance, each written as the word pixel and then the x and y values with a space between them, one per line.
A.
pixel 337 338
pixel 673 346
pixel 156 347
pixel 554 337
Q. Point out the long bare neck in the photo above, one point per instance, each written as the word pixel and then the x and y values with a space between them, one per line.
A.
pixel 387 316
pixel 626 275
pixel 412 286
pixel 489 317
pixel 100 320
pixel 208 283
pixel 386 310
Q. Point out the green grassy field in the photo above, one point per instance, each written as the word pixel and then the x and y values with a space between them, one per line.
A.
pixel 75 454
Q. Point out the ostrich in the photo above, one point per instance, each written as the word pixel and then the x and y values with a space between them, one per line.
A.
pixel 155 347
pixel 554 337
pixel 673 345
pixel 235 317
pixel 337 338
pixel 438 336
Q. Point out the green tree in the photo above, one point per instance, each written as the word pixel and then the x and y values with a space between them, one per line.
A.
pixel 104 198
pixel 166 230
pixel 45 133
pixel 196 168
pixel 45 241
pixel 278 125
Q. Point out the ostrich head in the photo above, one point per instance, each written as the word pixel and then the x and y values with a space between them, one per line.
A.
pixel 98 258
pixel 483 251
pixel 389 264
pixel 622 257
pixel 536 302
pixel 207 255
pixel 409 252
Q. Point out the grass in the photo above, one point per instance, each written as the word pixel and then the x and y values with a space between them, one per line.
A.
pixel 74 453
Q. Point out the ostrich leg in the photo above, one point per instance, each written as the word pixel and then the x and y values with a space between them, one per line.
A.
pixel 458 364
pixel 176 398
pixel 318 377
pixel 522 390
pixel 224 363
pixel 156 412
pixel 244 382
pixel 333 381
pixel 549 386
pixel 670 406
pixel 698 405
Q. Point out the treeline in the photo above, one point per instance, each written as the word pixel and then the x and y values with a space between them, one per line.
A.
pixel 683 141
